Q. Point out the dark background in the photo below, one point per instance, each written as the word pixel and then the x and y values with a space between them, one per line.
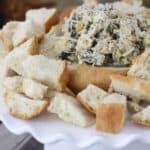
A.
pixel 15 9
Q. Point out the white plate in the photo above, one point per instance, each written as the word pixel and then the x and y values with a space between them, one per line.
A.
pixel 49 129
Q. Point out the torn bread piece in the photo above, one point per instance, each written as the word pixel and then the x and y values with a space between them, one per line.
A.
pixel 22 107
pixel 15 58
pixel 3 53
pixel 70 110
pixel 142 117
pixel 54 43
pixel 43 17
pixel 135 88
pixel 91 96
pixel 34 89
pixel 2 48
pixel 7 34
pixel 13 83
pixel 4 71
pixel 26 30
pixel 140 67
pixel 82 75
pixel 29 87
pixel 50 46
pixel 111 113
pixel 66 13
pixel 47 71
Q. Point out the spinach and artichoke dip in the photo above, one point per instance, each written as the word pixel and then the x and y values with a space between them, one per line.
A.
pixel 103 36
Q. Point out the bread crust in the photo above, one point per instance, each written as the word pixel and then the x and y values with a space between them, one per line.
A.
pixel 87 106
pixel 83 75
pixel 69 110
pixel 24 39
pixel 142 117
pixel 66 13
pixel 141 122
pixel 110 117
pixel 33 115
pixel 34 47
pixel 28 48
pixel 68 91
pixel 131 86
pixel 7 42
pixel 64 76
pixel 53 20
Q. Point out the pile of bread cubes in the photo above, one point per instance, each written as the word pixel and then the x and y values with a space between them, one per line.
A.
pixel 33 83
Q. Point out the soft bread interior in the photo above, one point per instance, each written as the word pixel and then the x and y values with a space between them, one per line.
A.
pixel 43 17
pixel 23 107
pixel 142 117
pixel 29 87
pixel 114 98
pixel 91 96
pixel 70 110
pixel 26 30
pixel 13 83
pixel 15 58
pixel 34 89
pixel 48 71
pixel 53 42
pixel 7 34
